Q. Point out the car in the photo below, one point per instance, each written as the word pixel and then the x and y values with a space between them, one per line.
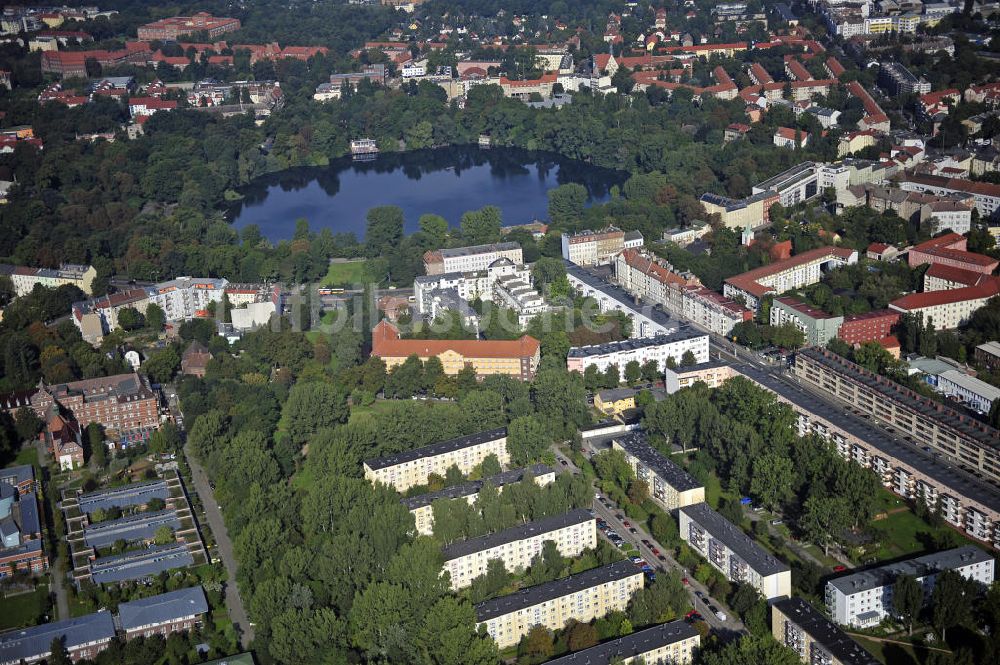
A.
pixel 601 524
pixel 711 608
pixel 776 522
pixel 700 594
pixel 646 542
pixel 685 581
pixel 839 568
pixel 563 462
pixel 637 560
pixel 625 523
pixel 612 535
pixel 597 495
pixel 631 529
pixel 721 616
pixel 655 551
pixel 690 614
pixel 646 569
pixel 590 511
pixel 618 516
pixel 661 557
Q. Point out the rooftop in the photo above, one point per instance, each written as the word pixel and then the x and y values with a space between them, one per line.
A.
pixel 387 343
pixel 16 475
pixel 636 444
pixel 972 384
pixel 164 608
pixel 473 486
pixel 921 566
pixel 121 497
pixel 529 596
pixel 630 646
pixel 435 449
pixel 987 289
pixel 140 563
pixel 803 308
pixel 992 348
pixel 620 296
pixel 845 650
pixel 745 547
pixel 634 343
pixel 749 281
pixel 514 534
pixel 926 407
pixel 478 249
pixel 30 643
pixel 142 526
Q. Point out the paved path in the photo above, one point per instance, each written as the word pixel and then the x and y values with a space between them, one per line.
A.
pixel 57 586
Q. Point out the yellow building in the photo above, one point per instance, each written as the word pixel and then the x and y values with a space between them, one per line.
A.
pixel 806 631
pixel 583 597
pixel 572 533
pixel 713 374
pixel 407 469
pixel 422 506
pixel 669 485
pixel 674 643
pixel 615 401
pixel 517 358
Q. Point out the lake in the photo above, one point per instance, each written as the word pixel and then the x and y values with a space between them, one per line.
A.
pixel 446 182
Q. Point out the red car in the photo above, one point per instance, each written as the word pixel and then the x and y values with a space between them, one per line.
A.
pixel 627 525
pixel 686 582
pixel 655 551
pixel 839 569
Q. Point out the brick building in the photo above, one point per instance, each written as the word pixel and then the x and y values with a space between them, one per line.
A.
pixel 172 612
pixel 169 29
pixel 868 327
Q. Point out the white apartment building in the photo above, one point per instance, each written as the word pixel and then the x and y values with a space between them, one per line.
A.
pixel 186 297
pixel 422 506
pixel 641 350
pixel 407 469
pixel 674 643
pixel 516 292
pixel 572 532
pixel 806 631
pixel 589 248
pixel 669 485
pixel 24 279
pixel 800 270
pixel 468 259
pixel 865 598
pixel 732 552
pixel 582 597
pixel 948 309
pixel 647 321
pixel 713 311
pixel 799 183
pixel 974 392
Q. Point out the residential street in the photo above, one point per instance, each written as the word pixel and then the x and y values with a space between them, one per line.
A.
pixel 223 544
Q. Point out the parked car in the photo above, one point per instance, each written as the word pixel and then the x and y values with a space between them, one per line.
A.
pixel 655 551
pixel 699 594
pixel 625 523
pixel 661 557
pixel 721 616
pixel 839 568
pixel 776 522
pixel 685 581
pixel 631 529
pixel 618 516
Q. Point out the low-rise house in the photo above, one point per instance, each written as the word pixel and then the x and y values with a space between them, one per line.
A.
pixel 712 373
pixel 195 359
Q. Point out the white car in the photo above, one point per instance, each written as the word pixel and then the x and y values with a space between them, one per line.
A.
pixel 720 615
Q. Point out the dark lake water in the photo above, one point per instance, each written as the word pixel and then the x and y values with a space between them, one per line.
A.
pixel 446 182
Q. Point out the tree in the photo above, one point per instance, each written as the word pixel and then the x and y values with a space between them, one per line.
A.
pixel 536 644
pixel 162 365
pixel 58 653
pixel 311 407
pixel 27 424
pixel 772 479
pixel 490 466
pixel 633 372
pixel 165 439
pixel 688 359
pixel 448 636
pixel 129 319
pixel 527 440
pixel 752 650
pixel 950 601
pixel 566 203
pixel 163 535
pixel 384 232
pixel 581 636
pixel 481 226
pixel 435 228
pixel 907 599
pixel 406 379
pixel 156 318
pixel 824 518
pixel 98 452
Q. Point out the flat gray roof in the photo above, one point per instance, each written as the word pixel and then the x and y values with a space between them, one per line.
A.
pixel 140 564
pixel 745 547
pixel 473 486
pixel 490 609
pixel 636 444
pixel 634 343
pixel 34 642
pixel 163 608
pixel 435 449
pixel 121 497
pixel 134 527
pixel 636 644
pixel 478 249
pixel 822 630
pixel 520 532
pixel 621 296
pixel 920 566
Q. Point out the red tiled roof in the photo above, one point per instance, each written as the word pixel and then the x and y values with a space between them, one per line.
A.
pixel 748 280
pixel 642 264
pixel 836 69
pixel 953 274
pixel 386 343
pixel 987 289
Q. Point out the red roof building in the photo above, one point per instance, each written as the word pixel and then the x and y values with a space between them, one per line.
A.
pixel 868 327
pixel 949 250
pixel 172 28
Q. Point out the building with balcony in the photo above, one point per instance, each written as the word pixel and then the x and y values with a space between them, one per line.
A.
pixel 675 643
pixel 83 637
pixel 404 470
pixel 798 271
pixel 736 555
pixel 712 373
pixel 713 311
pixel 171 612
pixel 817 326
pixel 468 259
pixel 642 350
pixel 669 485
pixel 647 319
pixel 517 547
pixel 588 248
pixel 817 640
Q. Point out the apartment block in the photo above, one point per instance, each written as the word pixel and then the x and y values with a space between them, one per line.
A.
pixel 572 532
pixel 865 598
pixel 971 443
pixel 749 212
pixel 950 250
pixel 868 327
pixel 951 308
pixel 732 552
pixel 669 485
pixel 713 374
pixel 171 612
pixel 674 643
pixel 651 279
pixel 517 358
pixel 422 505
pixel 797 184
pixel 985 194
pixel 806 631
pixel 647 320
pixel 582 597
pixel 641 350
pixel 468 259
pixel 589 248
pixel 963 502
pixel 25 279
pixel 798 271
pixel 898 80
pixel 83 637
pixel 818 326
pixel 713 311
pixel 404 470
pixel 974 393
pixel 988 354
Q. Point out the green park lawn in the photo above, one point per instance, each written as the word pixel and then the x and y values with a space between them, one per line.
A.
pixel 23 609
pixel 346 274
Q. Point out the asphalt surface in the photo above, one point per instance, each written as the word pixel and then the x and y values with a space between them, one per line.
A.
pixel 223 544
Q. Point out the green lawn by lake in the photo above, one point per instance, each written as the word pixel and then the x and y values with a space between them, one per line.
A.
pixel 346 274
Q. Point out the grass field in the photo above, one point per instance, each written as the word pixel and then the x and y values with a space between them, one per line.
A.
pixel 29 455
pixel 346 274
pixel 23 609
pixel 905 533
pixel 894 653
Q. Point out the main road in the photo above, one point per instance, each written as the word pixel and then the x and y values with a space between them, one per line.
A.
pixel 223 544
